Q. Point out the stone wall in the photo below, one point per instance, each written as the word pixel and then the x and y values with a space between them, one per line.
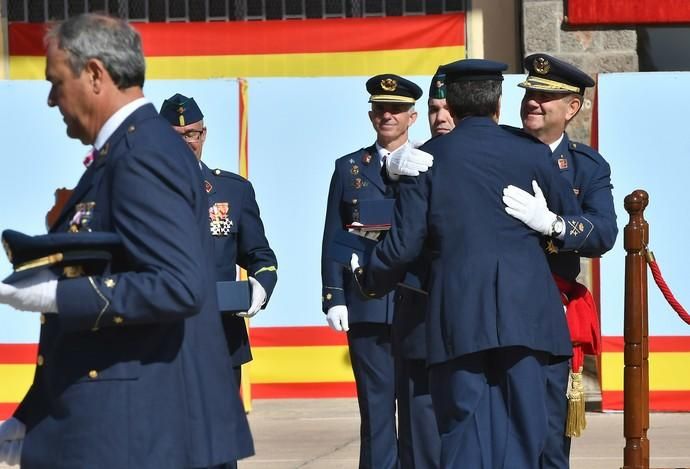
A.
pixel 594 50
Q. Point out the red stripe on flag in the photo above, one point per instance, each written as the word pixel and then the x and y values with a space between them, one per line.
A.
pixel 276 37
pixel 590 12
pixel 659 401
pixel 656 344
pixel 295 336
pixel 303 390
pixel 7 409
pixel 18 353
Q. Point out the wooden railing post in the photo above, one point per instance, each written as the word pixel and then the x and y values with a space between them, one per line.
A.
pixel 636 372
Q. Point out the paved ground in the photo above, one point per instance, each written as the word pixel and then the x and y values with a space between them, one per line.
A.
pixel 323 434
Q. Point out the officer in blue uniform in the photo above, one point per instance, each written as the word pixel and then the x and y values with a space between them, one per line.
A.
pixel 357 178
pixel 132 368
pixel 418 439
pixel 235 227
pixel 554 93
pixel 495 316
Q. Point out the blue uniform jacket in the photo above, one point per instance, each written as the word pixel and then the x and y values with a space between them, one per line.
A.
pixel 593 232
pixel 134 370
pixel 243 243
pixel 356 177
pixel 490 284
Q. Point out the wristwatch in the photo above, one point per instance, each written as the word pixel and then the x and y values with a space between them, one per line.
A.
pixel 557 227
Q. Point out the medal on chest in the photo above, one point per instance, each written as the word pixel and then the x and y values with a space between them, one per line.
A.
pixel 83 214
pixel 219 218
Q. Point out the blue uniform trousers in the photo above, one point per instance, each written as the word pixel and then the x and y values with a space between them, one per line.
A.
pixel 490 408
pixel 419 444
pixel 374 369
pixel 557 451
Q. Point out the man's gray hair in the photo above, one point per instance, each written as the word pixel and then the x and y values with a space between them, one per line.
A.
pixel 111 40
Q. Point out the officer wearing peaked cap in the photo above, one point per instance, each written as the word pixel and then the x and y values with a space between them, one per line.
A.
pixel 554 94
pixel 357 181
pixel 494 315
pixel 235 227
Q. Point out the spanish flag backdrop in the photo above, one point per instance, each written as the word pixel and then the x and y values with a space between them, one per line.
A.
pixel 406 45
pixel 273 49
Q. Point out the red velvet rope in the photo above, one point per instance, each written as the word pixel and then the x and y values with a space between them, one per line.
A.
pixel 661 283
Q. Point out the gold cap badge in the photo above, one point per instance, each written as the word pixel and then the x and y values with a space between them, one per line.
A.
pixel 389 84
pixel 541 65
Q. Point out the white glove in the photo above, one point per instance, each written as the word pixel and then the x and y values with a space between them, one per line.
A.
pixel 408 162
pixel 37 293
pixel 11 451
pixel 12 429
pixel 12 433
pixel 337 318
pixel 258 298
pixel 354 262
pixel 529 209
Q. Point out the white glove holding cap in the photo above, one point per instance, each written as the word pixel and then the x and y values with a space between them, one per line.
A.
pixel 37 293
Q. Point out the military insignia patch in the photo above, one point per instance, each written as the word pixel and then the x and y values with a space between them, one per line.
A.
pixel 551 247
pixel 354 170
pixel 542 65
pixel 576 191
pixel 83 213
pixel 389 84
pixel 219 219
pixel 366 158
pixel 440 90
pixel 208 186
pixel 357 183
pixel 562 163
pixel 576 227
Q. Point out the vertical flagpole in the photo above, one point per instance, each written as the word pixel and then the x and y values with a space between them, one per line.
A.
pixel 243 155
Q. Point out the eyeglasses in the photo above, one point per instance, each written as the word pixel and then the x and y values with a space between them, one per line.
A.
pixel 192 135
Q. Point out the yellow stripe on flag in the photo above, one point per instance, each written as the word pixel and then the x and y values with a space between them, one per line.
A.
pixel 317 364
pixel 340 64
pixel 16 380
pixel 663 371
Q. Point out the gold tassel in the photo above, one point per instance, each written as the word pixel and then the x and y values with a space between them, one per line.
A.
pixel 576 421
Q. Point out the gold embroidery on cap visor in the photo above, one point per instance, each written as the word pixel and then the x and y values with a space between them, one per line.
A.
pixel 41 262
pixel 389 98
pixel 543 84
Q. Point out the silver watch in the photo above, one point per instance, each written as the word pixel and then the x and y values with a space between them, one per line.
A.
pixel 557 227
